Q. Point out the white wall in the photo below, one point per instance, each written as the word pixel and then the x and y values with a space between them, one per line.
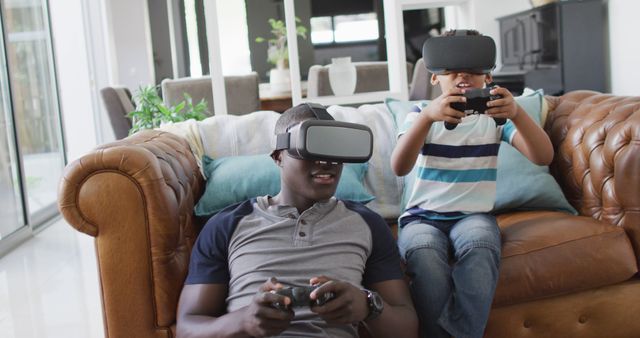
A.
pixel 234 37
pixel 624 51
pixel 129 43
pixel 97 44
pixel 74 80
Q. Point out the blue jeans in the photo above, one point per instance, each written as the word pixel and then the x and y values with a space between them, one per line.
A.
pixel 453 267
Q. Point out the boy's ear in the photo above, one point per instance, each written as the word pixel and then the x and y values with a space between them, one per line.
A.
pixel 488 78
pixel 434 79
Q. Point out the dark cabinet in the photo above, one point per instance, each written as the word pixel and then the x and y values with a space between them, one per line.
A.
pixel 558 47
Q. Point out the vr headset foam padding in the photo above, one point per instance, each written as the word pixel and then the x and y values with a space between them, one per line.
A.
pixel 460 52
pixel 328 140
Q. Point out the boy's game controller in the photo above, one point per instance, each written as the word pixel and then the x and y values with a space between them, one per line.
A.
pixel 477 99
pixel 299 296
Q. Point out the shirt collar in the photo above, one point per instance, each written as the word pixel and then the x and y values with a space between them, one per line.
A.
pixel 287 211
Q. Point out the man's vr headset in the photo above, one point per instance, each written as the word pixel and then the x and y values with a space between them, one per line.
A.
pixel 327 140
pixel 460 52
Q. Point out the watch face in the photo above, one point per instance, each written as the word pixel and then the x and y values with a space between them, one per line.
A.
pixel 375 304
pixel 377 301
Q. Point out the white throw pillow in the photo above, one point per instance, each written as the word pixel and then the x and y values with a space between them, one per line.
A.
pixel 380 180
pixel 252 134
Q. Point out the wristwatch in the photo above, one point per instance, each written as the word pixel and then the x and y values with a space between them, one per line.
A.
pixel 375 304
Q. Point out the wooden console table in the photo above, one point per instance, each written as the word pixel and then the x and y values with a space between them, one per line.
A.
pixel 276 101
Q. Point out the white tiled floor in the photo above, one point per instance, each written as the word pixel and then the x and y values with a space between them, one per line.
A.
pixel 49 287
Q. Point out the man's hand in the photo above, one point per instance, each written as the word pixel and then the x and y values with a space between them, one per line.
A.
pixel 440 108
pixel 261 318
pixel 348 305
pixel 505 107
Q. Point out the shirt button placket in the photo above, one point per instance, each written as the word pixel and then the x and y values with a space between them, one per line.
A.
pixel 302 228
pixel 302 233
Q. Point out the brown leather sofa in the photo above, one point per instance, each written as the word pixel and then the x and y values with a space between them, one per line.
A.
pixel 561 275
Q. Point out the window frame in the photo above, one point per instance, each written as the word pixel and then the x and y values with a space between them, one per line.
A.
pixel 395 43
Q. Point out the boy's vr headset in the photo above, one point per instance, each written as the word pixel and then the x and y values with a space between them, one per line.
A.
pixel 459 53
pixel 328 140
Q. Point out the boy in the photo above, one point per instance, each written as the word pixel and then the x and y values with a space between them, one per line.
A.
pixel 302 236
pixel 449 241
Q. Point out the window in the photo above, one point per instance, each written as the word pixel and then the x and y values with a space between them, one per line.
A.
pixel 344 28
pixel 322 30
pixel 31 147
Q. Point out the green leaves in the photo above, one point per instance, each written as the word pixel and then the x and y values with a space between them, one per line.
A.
pixel 151 112
pixel 277 52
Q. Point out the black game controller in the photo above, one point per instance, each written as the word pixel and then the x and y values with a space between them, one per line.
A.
pixel 299 296
pixel 477 99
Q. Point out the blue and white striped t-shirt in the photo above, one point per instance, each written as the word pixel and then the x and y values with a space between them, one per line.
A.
pixel 455 172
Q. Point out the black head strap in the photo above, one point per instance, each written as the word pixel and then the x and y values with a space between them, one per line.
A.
pixel 319 111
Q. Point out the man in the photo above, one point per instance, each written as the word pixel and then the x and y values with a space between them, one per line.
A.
pixel 302 236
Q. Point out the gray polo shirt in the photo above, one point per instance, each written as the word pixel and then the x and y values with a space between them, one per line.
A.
pixel 247 243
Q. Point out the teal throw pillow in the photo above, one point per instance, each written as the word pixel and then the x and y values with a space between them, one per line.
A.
pixel 234 179
pixel 520 185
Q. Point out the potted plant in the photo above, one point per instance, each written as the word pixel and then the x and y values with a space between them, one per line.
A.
pixel 278 54
pixel 151 112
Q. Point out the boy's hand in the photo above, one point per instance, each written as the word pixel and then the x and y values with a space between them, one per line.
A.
pixel 505 107
pixel 261 318
pixel 440 108
pixel 348 306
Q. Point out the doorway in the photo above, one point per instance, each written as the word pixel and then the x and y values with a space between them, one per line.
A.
pixel 31 146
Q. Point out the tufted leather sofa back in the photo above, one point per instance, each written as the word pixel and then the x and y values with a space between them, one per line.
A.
pixel 149 227
pixel 597 156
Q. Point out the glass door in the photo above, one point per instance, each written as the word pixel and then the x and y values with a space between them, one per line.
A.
pixel 11 213
pixel 32 150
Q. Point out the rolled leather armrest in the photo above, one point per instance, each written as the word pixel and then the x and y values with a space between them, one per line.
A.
pixel 597 156
pixel 136 197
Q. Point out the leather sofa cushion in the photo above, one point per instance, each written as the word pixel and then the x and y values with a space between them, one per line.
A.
pixel 610 311
pixel 551 253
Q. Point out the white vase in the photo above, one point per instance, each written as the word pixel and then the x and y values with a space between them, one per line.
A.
pixel 342 76
pixel 279 80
